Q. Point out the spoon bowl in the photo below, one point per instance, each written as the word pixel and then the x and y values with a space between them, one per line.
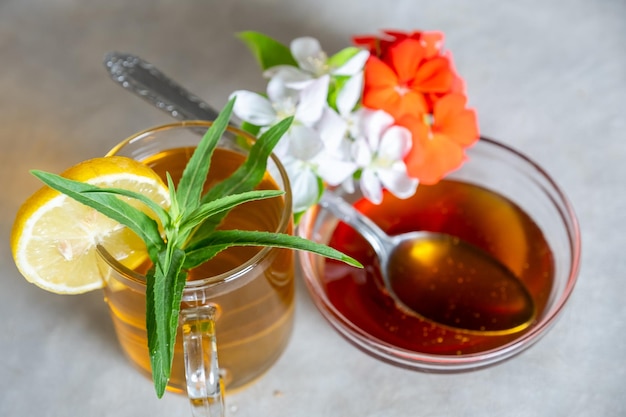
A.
pixel 442 278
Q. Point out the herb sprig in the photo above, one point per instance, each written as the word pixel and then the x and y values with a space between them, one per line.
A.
pixel 190 238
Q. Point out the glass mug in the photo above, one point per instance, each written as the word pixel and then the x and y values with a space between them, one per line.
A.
pixel 244 296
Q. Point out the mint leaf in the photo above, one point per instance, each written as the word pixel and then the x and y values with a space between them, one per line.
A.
pixel 250 173
pixel 268 51
pixel 164 289
pixel 194 176
pixel 223 239
pixel 247 176
pixel 161 213
pixel 109 205
pixel 174 206
pixel 222 205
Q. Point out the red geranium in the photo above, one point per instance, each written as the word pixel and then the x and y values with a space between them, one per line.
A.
pixel 439 138
pixel 378 45
pixel 402 82
pixel 412 78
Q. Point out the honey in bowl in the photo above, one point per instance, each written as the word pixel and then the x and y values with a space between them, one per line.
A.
pixel 478 216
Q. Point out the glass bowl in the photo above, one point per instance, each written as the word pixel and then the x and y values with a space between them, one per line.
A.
pixel 500 170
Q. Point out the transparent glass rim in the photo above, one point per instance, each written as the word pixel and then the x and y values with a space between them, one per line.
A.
pixel 137 280
pixel 450 363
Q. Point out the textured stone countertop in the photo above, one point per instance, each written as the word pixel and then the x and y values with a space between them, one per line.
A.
pixel 547 78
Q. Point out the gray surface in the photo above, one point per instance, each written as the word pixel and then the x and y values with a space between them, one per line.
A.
pixel 547 77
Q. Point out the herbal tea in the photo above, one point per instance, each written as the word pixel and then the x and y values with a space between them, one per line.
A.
pixel 254 320
pixel 472 213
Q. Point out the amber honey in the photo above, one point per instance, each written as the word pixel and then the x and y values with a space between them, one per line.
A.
pixel 474 214
pixel 255 319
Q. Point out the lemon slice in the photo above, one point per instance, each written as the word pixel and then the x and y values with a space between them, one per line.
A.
pixel 54 237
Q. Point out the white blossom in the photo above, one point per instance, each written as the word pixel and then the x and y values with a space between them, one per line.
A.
pixel 313 61
pixel 344 146
pixel 379 151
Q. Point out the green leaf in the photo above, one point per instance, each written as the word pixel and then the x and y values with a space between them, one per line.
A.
pixel 221 205
pixel 335 86
pixel 109 205
pixel 343 56
pixel 161 213
pixel 164 289
pixel 194 176
pixel 250 128
pixel 174 206
pixel 250 173
pixel 223 239
pixel 267 51
pixel 247 176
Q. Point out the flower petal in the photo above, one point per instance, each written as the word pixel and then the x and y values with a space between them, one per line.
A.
pixel 432 155
pixel 395 143
pixel 371 187
pixel 382 90
pixel 405 58
pixel 375 123
pixel 455 121
pixel 313 101
pixel 308 52
pixel 349 95
pixel 433 76
pixel 348 185
pixel 287 73
pixel 332 128
pixel 397 181
pixel 304 186
pixel 253 108
pixel 334 171
pixel 432 42
pixel 281 96
pixel 361 152
pixel 379 75
pixel 304 142
pixel 354 64
pixel 382 98
pixel 410 103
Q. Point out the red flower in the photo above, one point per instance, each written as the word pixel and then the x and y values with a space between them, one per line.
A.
pixel 401 82
pixel 439 138
pixel 378 45
pixel 411 77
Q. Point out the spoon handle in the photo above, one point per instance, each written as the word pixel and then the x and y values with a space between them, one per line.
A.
pixel 145 80
pixel 348 214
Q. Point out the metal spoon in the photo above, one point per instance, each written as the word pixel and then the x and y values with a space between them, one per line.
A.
pixel 422 271
pixel 443 278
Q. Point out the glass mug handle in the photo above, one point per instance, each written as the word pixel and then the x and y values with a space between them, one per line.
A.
pixel 205 387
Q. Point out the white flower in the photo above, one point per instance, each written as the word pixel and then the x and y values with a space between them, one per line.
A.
pixel 324 145
pixel 379 150
pixel 313 61
pixel 299 158
pixel 347 99
pixel 301 144
pixel 306 105
pixel 334 163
